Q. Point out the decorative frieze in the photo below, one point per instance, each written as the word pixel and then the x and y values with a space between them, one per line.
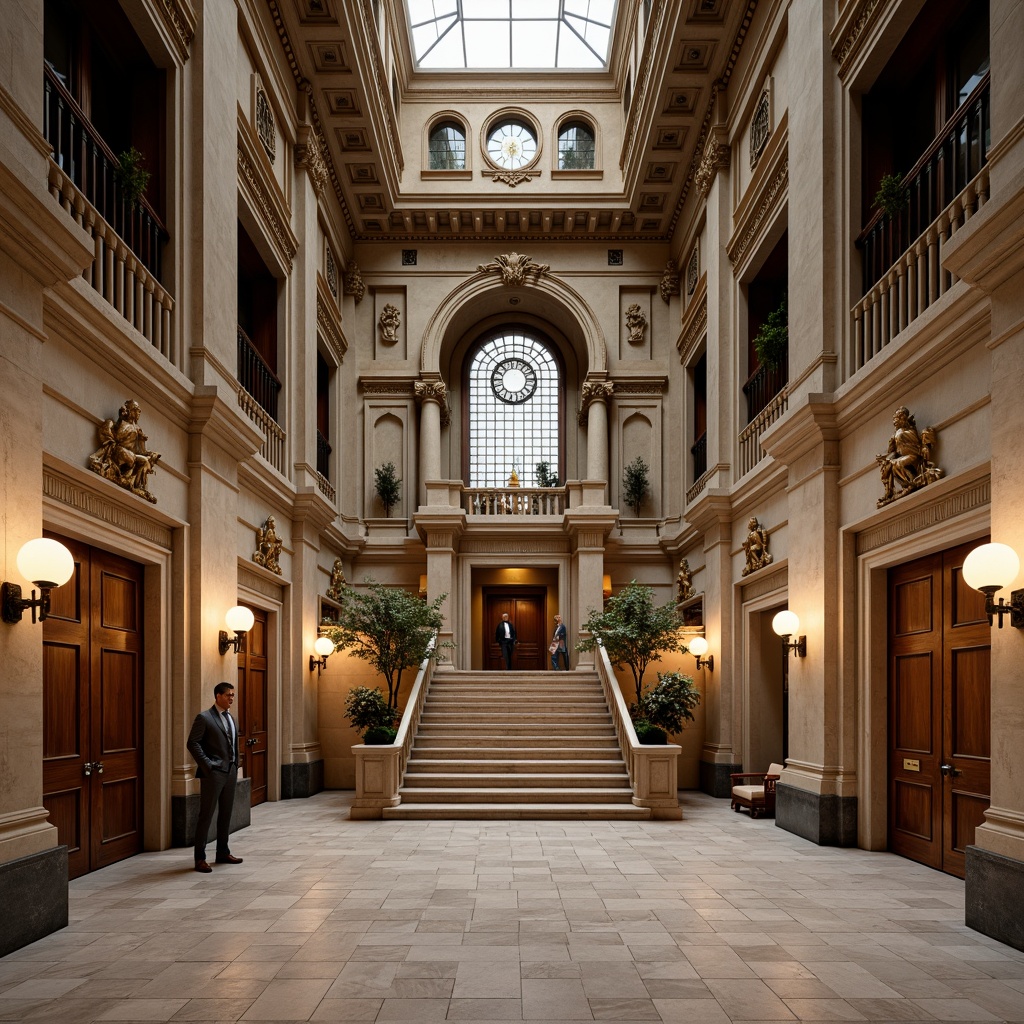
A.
pixel 268 547
pixel 768 583
pixel 259 584
pixel 180 23
pixel 122 456
pixel 266 208
pixel 513 546
pixel 330 329
pixel 843 52
pixel 514 268
pixel 770 198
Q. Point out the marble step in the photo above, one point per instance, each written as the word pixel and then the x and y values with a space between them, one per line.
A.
pixel 511 754
pixel 525 780
pixel 474 740
pixel 458 762
pixel 485 811
pixel 516 794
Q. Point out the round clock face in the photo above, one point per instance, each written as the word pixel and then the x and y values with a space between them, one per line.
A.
pixel 513 381
pixel 511 146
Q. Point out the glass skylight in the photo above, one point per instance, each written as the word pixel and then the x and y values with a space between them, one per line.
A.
pixel 494 34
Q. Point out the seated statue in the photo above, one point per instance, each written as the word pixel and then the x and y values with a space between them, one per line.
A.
pixel 906 465
pixel 756 547
pixel 122 456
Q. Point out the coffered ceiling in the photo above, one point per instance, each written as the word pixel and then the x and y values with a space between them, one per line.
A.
pixel 370 109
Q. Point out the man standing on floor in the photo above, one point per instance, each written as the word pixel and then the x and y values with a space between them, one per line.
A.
pixel 213 743
pixel 505 634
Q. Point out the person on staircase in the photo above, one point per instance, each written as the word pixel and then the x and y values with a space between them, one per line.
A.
pixel 505 634
pixel 558 646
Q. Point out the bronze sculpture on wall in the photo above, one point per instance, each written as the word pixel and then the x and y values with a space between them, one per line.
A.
pixel 336 588
pixel 684 582
pixel 755 546
pixel 122 456
pixel 268 547
pixel 906 465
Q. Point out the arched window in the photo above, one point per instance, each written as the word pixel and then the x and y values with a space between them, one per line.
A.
pixel 575 147
pixel 447 147
pixel 514 388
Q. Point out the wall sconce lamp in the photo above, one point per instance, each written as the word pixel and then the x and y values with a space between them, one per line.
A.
pixel 698 647
pixel 48 564
pixel 606 587
pixel 785 624
pixel 240 620
pixel 423 586
pixel 324 647
pixel 992 567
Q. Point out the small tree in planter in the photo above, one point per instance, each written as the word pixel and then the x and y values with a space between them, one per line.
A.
pixel 633 631
pixel 665 707
pixel 892 195
pixel 370 714
pixel 635 484
pixel 388 487
pixel 388 627
pixel 546 477
pixel 771 343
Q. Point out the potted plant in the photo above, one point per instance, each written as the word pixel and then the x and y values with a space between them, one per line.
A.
pixel 545 476
pixel 388 487
pixel 370 714
pixel 771 343
pixel 665 708
pixel 635 484
pixel 892 195
pixel 390 628
pixel 130 176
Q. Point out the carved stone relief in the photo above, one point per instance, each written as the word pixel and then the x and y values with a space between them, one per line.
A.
pixel 354 282
pixel 636 324
pixel 669 281
pixel 513 268
pixel 265 128
pixel 755 547
pixel 390 320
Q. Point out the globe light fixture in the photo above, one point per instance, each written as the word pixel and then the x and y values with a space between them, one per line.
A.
pixel 48 565
pixel 324 647
pixel 239 620
pixel 785 624
pixel 698 647
pixel 989 568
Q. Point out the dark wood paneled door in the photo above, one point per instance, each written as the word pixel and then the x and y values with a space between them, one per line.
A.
pixel 251 702
pixel 939 710
pixel 92 710
pixel 525 607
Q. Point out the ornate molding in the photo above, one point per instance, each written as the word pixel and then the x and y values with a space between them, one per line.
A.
pixel 593 391
pixel 70 494
pixel 512 178
pixel 394 388
pixel 181 24
pixel 389 321
pixel 669 284
pixel 769 583
pixel 697 326
pixel 513 268
pixel 844 51
pixel 329 326
pixel 967 499
pixel 641 386
pixel 353 282
pixel 274 219
pixel 717 156
pixel 770 198
pixel 309 156
pixel 252 580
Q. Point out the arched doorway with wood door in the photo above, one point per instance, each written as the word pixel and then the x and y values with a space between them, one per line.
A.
pixel 252 705
pixel 530 597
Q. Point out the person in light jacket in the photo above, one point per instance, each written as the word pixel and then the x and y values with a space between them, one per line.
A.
pixel 559 639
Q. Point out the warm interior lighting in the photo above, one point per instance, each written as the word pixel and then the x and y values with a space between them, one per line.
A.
pixel 47 564
pixel 698 647
pixel 785 624
pixel 240 620
pixel 423 586
pixel 324 647
pixel 989 568
pixel 606 586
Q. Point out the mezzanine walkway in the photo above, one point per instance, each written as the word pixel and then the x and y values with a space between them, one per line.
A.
pixel 713 919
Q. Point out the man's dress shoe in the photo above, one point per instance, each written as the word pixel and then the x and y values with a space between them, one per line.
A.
pixel 202 866
pixel 229 859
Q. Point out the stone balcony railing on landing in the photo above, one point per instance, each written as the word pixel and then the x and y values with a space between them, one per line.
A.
pixel 514 501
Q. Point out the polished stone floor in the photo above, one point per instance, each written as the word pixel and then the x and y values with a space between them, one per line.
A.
pixel 713 919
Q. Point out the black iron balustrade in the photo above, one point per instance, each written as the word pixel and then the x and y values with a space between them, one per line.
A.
pixel 953 159
pixel 81 153
pixel 323 456
pixel 763 385
pixel 256 376
pixel 699 451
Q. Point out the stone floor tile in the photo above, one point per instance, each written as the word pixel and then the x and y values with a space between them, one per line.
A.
pixel 691 1011
pixel 744 999
pixel 485 1009
pixel 137 1010
pixel 624 1009
pixel 212 1009
pixel 554 999
pixel 823 1009
pixel 288 999
pixel 336 1010
pixel 488 980
pixel 955 1009
pixel 413 1009
pixel 887 1009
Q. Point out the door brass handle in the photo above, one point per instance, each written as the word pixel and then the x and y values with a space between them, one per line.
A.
pixel 99 767
pixel 949 770
pixel 87 768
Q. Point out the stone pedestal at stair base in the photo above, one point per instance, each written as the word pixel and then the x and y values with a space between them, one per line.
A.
pixel 376 779
pixel 994 896
pixel 655 775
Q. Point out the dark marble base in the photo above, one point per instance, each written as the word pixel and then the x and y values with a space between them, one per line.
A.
pixel 301 780
pixel 714 778
pixel 825 820
pixel 185 813
pixel 994 895
pixel 34 897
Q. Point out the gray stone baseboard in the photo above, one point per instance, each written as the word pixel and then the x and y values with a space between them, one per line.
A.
pixel 185 813
pixel 994 895
pixel 827 820
pixel 34 897
pixel 301 780
pixel 714 778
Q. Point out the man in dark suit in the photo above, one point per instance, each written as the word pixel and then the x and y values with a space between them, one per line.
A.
pixel 505 634
pixel 213 742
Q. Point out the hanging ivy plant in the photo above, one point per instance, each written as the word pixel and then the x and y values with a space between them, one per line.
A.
pixel 892 195
pixel 131 177
pixel 771 342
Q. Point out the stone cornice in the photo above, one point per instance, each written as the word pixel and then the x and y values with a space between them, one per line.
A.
pixel 180 22
pixel 378 384
pixel 774 192
pixel 637 385
pixel 694 324
pixel 807 425
pixel 264 196
pixel 223 424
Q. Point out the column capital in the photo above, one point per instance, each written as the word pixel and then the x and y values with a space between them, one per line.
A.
pixel 595 389
pixel 434 390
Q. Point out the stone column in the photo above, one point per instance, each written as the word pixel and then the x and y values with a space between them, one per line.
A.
pixel 433 398
pixel 594 407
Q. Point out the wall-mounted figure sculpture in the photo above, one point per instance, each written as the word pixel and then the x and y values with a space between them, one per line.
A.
pixel 390 320
pixel 122 456
pixel 636 324
pixel 336 588
pixel 684 582
pixel 755 547
pixel 268 547
pixel 906 465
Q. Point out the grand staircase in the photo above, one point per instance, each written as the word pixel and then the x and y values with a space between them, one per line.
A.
pixel 528 745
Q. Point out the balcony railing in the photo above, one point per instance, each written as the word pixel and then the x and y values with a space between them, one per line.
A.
pixel 256 376
pixel 323 455
pixel 699 451
pixel 750 436
pixel 514 501
pixel 763 385
pixel 90 164
pixel 954 159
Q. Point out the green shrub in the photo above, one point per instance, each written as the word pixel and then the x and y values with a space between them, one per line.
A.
pixel 771 343
pixel 130 176
pixel 668 704
pixel 388 486
pixel 635 484
pixel 545 476
pixel 368 709
pixel 892 195
pixel 379 735
pixel 650 734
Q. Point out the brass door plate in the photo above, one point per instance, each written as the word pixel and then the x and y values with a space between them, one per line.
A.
pixel 910 765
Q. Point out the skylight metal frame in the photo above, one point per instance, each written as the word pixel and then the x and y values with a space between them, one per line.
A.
pixel 453 19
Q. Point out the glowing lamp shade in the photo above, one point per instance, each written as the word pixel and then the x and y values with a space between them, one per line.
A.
pixel 986 567
pixel 785 623
pixel 698 646
pixel 324 646
pixel 606 586
pixel 46 562
pixel 239 619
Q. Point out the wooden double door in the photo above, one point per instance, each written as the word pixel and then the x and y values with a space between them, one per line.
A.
pixel 526 610
pixel 92 710
pixel 939 710
pixel 251 706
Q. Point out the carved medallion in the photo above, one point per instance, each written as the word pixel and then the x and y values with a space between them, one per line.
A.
pixel 513 268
